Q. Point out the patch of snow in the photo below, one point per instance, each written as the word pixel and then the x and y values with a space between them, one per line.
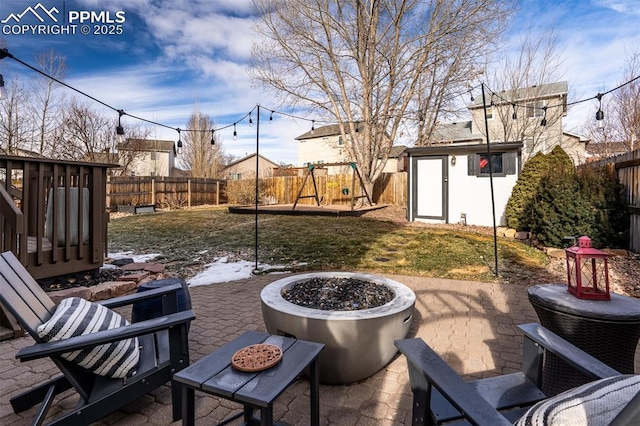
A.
pixel 222 271
pixel 137 258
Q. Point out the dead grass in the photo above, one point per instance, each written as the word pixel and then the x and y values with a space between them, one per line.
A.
pixel 190 239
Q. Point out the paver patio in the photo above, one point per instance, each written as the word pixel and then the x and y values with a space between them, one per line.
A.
pixel 470 324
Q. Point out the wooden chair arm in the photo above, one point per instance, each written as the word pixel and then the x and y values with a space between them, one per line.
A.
pixel 426 369
pixel 129 299
pixel 42 350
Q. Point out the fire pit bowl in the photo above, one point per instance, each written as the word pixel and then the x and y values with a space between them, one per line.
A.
pixel 358 343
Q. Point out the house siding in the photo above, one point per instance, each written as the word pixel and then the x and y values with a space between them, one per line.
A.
pixel 465 193
pixel 246 168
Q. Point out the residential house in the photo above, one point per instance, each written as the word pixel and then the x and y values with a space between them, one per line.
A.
pixel 147 157
pixel 246 167
pixel 325 145
pixel 532 115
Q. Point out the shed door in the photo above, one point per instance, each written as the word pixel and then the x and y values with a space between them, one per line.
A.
pixel 429 187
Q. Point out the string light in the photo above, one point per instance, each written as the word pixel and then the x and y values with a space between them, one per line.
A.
pixel 213 140
pixel 179 150
pixel 4 53
pixel 600 113
pixel 313 126
pixel 119 128
pixel 235 134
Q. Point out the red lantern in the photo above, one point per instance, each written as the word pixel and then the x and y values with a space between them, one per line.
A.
pixel 587 271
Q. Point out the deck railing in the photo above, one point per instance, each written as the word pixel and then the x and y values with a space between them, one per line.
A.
pixel 53 214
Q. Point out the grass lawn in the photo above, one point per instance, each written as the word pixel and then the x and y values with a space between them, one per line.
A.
pixel 190 239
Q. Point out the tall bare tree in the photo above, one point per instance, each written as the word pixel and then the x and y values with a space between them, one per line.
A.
pixel 15 128
pixel 620 127
pixel 202 149
pixel 369 64
pixel 44 102
pixel 538 61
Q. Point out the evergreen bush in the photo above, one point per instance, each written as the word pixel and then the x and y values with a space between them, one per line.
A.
pixel 554 201
pixel 519 211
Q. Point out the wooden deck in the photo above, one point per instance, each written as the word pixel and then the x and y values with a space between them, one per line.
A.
pixel 306 210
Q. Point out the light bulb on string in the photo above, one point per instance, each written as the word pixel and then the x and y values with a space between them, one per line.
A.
pixel 119 128
pixel 514 115
pixel 213 140
pixel 235 134
pixel 250 120
pixel 543 122
pixel 271 117
pixel 313 126
pixel 600 113
pixel 179 150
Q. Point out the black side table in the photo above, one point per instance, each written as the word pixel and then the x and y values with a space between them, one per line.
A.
pixel 607 329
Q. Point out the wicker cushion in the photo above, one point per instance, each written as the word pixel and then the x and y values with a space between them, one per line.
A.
pixel 596 403
pixel 76 316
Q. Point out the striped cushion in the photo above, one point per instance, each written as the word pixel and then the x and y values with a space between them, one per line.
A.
pixel 596 403
pixel 75 316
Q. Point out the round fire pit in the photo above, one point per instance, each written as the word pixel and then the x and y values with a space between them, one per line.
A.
pixel 358 343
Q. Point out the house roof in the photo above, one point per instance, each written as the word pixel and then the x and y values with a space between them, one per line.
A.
pixel 456 132
pixel 146 145
pixel 397 151
pixel 101 157
pixel 577 136
pixel 320 132
pixel 524 94
pixel 249 157
pixel 607 148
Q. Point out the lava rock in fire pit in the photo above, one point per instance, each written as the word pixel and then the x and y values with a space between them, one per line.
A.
pixel 337 294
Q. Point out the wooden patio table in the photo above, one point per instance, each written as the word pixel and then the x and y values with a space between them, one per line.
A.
pixel 215 375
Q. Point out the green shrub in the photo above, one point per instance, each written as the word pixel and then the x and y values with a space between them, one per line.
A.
pixel 560 210
pixel 519 211
pixel 553 201
pixel 585 203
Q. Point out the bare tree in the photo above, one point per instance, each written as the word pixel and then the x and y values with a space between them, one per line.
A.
pixel 369 64
pixel 14 119
pixel 85 132
pixel 202 151
pixel 523 77
pixel 44 103
pixel 619 130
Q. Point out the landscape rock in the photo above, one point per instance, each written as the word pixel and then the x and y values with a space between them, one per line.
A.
pixel 57 296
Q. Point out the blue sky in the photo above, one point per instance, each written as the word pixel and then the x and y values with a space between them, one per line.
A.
pixel 174 54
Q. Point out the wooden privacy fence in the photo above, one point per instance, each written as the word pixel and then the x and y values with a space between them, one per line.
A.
pixel 164 191
pixel 390 188
pixel 627 169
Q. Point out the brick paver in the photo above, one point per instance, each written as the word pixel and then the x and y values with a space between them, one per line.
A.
pixel 470 324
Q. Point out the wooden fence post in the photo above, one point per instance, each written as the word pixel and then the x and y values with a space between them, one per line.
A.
pixel 153 191
pixel 189 192
pixel 217 192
